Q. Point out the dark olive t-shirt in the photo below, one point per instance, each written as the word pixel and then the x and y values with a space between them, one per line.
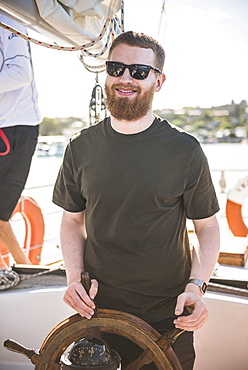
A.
pixel 137 190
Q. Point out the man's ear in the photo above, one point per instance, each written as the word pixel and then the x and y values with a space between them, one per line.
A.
pixel 160 80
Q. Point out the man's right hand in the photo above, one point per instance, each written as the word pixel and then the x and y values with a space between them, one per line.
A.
pixel 77 298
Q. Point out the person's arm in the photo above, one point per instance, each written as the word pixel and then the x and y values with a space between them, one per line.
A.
pixel 73 236
pixel 204 258
pixel 15 66
pixel 15 74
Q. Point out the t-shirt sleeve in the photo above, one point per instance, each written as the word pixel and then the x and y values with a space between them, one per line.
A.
pixel 66 193
pixel 200 200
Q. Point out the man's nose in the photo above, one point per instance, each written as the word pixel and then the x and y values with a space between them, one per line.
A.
pixel 126 77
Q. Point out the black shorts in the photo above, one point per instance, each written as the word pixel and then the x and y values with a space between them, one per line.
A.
pixel 14 166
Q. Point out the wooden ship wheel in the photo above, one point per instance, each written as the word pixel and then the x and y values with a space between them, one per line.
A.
pixel 155 348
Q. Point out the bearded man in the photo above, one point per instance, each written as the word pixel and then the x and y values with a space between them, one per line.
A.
pixel 127 186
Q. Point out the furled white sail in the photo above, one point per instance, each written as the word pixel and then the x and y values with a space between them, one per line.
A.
pixel 70 22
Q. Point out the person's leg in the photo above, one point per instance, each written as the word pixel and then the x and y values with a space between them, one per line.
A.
pixel 3 265
pixel 8 238
pixel 14 169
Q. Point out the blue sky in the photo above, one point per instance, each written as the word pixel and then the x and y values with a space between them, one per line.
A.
pixel 206 57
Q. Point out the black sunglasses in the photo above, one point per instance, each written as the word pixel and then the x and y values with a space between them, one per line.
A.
pixel 137 71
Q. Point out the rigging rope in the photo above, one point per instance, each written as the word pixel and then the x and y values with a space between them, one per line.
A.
pixel 113 25
pixel 108 23
pixel 163 11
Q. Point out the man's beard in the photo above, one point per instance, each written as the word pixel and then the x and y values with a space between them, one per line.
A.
pixel 124 108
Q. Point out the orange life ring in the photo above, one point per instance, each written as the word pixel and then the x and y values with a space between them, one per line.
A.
pixel 235 200
pixel 35 229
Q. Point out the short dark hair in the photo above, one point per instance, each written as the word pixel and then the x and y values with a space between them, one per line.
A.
pixel 143 41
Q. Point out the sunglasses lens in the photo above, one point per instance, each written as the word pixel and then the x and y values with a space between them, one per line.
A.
pixel 115 69
pixel 139 72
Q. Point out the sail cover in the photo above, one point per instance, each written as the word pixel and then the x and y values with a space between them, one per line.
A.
pixel 79 20
pixel 76 22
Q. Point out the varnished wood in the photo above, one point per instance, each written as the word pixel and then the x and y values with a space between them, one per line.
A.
pixel 31 354
pixel 156 349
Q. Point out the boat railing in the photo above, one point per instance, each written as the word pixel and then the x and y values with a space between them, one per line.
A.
pixel 226 178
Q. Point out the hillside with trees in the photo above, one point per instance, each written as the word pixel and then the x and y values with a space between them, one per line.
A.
pixel 227 123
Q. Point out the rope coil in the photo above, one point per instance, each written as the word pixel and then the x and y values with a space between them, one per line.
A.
pixel 8 279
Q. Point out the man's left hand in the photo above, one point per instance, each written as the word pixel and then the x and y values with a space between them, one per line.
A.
pixel 197 307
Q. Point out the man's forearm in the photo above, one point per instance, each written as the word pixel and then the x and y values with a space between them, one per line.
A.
pixel 205 254
pixel 204 258
pixel 72 243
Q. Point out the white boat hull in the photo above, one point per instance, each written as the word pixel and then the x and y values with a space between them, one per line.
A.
pixel 28 315
pixel 221 344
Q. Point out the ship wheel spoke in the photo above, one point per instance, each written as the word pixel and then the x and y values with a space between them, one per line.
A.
pixel 144 358
pixel 93 332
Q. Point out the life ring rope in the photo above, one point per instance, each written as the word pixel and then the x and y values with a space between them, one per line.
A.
pixel 235 200
pixel 6 255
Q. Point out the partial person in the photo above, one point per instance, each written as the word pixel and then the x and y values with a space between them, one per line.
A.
pixel 127 186
pixel 19 129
